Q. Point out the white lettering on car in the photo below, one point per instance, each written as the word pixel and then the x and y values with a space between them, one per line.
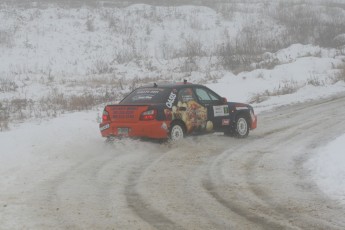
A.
pixel 164 126
pixel 171 100
pixel 104 127
pixel 241 108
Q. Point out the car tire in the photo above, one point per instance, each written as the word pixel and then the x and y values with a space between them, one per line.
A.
pixel 241 127
pixel 177 132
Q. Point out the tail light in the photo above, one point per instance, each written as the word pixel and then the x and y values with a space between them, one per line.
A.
pixel 148 115
pixel 105 116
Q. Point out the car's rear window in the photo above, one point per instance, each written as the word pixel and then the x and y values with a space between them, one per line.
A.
pixel 147 96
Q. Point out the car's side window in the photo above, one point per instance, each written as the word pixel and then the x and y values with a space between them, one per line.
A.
pixel 206 96
pixel 186 95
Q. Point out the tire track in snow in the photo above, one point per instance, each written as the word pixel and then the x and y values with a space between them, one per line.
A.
pixel 258 196
pixel 141 207
pixel 234 195
pixel 74 193
pixel 306 202
pixel 160 192
pixel 94 187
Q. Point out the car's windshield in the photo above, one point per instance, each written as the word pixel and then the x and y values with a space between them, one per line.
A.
pixel 147 96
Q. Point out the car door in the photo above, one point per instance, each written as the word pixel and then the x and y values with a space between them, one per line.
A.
pixel 217 109
pixel 190 111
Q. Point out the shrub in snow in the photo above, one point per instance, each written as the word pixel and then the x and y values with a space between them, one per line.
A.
pixel 7 85
pixel 341 75
pixel 315 81
pixel 285 87
pixel 3 118
pixel 340 40
pixel 5 38
pixel 90 24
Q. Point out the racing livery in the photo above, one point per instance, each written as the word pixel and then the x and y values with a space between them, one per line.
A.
pixel 172 111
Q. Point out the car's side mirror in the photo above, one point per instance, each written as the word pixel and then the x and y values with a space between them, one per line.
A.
pixel 224 100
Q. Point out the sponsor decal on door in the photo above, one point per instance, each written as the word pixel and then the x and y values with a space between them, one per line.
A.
pixel 221 110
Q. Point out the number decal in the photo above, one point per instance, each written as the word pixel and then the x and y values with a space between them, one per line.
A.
pixel 171 100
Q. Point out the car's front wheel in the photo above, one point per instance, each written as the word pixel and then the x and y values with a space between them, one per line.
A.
pixel 177 132
pixel 241 127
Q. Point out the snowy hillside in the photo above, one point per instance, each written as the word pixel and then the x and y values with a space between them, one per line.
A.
pixel 54 59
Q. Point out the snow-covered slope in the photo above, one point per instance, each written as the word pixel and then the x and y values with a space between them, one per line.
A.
pixel 327 168
pixel 54 58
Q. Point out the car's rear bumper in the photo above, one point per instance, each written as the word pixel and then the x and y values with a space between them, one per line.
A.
pixel 149 129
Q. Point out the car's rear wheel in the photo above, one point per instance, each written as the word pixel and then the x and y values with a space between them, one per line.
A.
pixel 177 132
pixel 241 127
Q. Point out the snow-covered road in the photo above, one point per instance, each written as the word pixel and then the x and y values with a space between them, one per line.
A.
pixel 61 175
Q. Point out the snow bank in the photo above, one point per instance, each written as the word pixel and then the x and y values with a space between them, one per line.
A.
pixel 328 170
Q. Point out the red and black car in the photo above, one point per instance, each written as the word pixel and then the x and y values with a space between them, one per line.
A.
pixel 173 111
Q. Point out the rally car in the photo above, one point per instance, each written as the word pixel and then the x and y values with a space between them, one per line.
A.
pixel 175 110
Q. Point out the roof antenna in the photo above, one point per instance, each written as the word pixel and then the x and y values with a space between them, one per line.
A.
pixel 155 85
pixel 184 81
